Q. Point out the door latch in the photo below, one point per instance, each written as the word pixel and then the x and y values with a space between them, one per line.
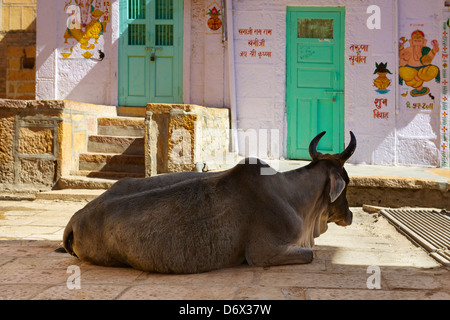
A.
pixel 153 50
pixel 334 93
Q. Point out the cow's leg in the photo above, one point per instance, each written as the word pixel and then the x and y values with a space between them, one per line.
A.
pixel 292 255
pixel 269 254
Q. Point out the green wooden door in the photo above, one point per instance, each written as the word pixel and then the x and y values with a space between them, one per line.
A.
pixel 315 79
pixel 150 52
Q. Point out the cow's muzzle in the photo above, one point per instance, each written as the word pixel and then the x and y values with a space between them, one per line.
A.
pixel 347 220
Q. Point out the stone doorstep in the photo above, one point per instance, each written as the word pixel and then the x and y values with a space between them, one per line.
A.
pixel 106 174
pixel 121 126
pixel 70 194
pixel 116 144
pixel 112 162
pixel 82 182
pixel 120 131
pixel 135 122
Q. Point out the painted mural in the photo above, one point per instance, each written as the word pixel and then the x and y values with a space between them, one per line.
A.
pixel 419 74
pixel 214 18
pixel 382 82
pixel 415 63
pixel 86 23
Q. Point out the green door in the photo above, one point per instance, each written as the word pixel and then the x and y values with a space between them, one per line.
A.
pixel 150 52
pixel 315 79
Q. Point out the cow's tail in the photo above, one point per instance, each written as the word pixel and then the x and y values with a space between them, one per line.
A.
pixel 68 239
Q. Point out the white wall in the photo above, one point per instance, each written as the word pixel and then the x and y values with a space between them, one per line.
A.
pixel 405 136
pixel 388 132
pixel 418 137
pixel 261 83
pixel 75 77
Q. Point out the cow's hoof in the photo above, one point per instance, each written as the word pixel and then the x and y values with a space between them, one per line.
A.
pixel 307 254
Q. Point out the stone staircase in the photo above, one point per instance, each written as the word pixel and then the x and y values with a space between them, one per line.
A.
pixel 117 151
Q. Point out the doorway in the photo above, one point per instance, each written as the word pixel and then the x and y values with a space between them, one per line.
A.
pixel 150 52
pixel 315 79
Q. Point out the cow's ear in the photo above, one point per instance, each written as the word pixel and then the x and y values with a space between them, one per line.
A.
pixel 337 185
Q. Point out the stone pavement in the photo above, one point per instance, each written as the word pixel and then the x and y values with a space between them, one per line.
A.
pixel 349 261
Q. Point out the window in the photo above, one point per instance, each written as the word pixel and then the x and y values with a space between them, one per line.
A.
pixel 315 28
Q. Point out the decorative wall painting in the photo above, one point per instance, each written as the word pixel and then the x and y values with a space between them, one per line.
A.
pixel 382 82
pixel 214 18
pixel 419 74
pixel 86 23
pixel 416 68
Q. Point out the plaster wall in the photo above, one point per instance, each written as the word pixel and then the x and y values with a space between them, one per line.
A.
pixel 261 82
pixel 389 128
pixel 66 66
pixel 393 128
pixel 417 122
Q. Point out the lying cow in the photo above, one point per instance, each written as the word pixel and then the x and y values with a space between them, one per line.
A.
pixel 196 222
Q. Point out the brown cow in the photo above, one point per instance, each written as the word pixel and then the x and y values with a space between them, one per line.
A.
pixel 197 222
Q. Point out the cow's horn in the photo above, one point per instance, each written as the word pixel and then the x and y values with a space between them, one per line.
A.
pixel 347 153
pixel 313 146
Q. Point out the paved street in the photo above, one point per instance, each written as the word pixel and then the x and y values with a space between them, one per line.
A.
pixel 348 262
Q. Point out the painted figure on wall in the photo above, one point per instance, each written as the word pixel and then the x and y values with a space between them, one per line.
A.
pixel 415 63
pixel 86 21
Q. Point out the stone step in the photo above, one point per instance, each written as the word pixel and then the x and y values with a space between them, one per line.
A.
pixel 70 194
pixel 79 182
pixel 121 126
pixel 111 162
pixel 106 174
pixel 115 144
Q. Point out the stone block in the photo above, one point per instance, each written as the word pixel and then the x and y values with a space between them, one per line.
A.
pixel 182 141
pixel 15 18
pixel 29 18
pixel 6 149
pixel 14 52
pixel 21 75
pixel 36 140
pixel 40 141
pixel 37 172
pixel 14 63
pixel 187 135
pixel 29 87
pixel 150 145
pixel 5 18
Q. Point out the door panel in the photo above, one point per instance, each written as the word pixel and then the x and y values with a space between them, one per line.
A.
pixel 317 54
pixel 315 82
pixel 150 52
pixel 164 69
pixel 135 71
pixel 314 78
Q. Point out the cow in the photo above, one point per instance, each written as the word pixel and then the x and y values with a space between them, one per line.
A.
pixel 194 222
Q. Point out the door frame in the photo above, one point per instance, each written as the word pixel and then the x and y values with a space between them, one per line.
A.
pixel 290 149
pixel 178 81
